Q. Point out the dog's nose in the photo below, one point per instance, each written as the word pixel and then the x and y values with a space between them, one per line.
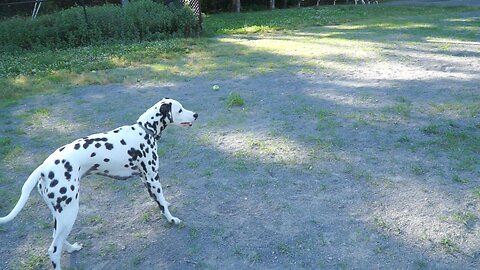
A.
pixel 195 116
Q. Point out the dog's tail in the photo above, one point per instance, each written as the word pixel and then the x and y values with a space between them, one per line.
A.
pixel 26 189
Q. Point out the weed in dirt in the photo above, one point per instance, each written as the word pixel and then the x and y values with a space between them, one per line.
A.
pixel 12 153
pixel 449 246
pixel 95 220
pixel 234 99
pixel 458 179
pixel 464 218
pixel 431 129
pixel 418 169
pixel 33 262
pixel 137 260
pixel 194 233
pixel 44 224
pixel 403 108
pixel 108 249
pixel 421 265
pixel 283 249
pixel 403 139
pixel 476 193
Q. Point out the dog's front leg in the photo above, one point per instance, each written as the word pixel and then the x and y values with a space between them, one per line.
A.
pixel 151 180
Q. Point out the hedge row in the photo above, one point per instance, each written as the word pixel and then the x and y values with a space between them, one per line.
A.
pixel 139 20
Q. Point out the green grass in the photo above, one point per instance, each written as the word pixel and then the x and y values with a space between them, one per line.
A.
pixel 25 73
pixel 33 262
pixel 464 218
pixel 449 246
pixel 288 19
pixel 234 99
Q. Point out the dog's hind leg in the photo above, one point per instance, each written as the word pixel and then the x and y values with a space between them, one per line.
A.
pixel 64 220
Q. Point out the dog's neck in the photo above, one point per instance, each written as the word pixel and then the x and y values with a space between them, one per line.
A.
pixel 156 119
pixel 153 129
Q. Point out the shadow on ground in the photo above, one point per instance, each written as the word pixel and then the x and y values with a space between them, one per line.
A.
pixel 366 158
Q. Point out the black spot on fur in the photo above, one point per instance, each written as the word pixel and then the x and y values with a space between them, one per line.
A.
pixel 76 196
pixel 109 146
pixel 55 224
pixel 77 146
pixel 54 183
pixel 61 149
pixel 54 265
pixel 51 175
pixel 57 161
pixel 51 195
pixel 106 159
pixel 158 190
pixel 126 165
pixel 68 166
pixel 143 166
pixel 68 176
pixel 97 145
pixel 116 131
pixel 54 249
pixel 133 128
pixel 42 175
pixel 134 153
pixel 68 200
pixel 123 142
pixel 93 154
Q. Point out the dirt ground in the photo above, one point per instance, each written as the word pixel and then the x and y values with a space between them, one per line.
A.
pixel 368 160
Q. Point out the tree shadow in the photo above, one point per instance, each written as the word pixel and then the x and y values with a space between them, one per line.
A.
pixel 315 171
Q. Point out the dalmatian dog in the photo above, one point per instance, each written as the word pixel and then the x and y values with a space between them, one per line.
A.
pixel 121 153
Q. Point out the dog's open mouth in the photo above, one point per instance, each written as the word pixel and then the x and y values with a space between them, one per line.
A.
pixel 186 124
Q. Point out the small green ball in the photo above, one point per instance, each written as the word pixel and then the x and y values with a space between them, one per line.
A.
pixel 215 87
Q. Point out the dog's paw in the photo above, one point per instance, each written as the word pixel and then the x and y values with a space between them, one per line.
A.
pixel 74 247
pixel 175 220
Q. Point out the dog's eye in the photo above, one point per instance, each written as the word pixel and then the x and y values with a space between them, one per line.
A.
pixel 180 111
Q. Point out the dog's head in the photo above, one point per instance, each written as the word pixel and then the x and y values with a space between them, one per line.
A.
pixel 166 111
pixel 174 112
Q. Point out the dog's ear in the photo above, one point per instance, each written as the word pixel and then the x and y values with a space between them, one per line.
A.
pixel 166 112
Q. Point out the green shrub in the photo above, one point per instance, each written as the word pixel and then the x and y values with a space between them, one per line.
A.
pixel 138 21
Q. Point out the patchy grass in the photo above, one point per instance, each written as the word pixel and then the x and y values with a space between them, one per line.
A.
pixel 464 218
pixel 288 19
pixel 234 99
pixel 27 73
pixel 449 246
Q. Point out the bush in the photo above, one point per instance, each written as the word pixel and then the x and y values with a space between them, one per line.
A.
pixel 139 20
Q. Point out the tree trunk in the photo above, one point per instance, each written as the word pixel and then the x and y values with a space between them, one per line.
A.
pixel 271 4
pixel 236 6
